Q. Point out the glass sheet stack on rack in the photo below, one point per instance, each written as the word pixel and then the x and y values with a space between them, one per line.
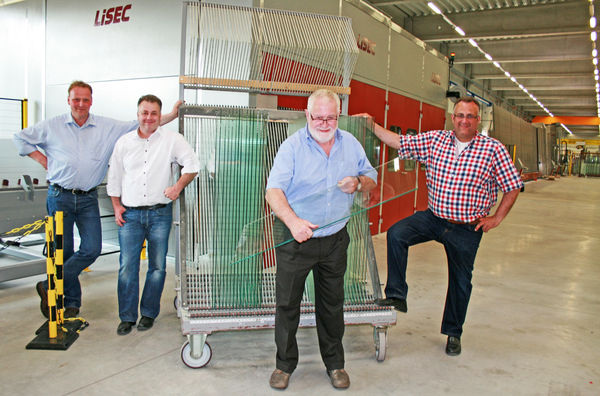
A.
pixel 230 235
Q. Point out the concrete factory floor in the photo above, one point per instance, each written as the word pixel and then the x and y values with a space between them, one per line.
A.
pixel 532 328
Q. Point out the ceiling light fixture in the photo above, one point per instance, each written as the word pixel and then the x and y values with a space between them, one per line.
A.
pixel 489 57
pixel 566 129
pixel 434 8
pixel 459 30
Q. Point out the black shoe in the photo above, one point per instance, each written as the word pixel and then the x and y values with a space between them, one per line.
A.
pixel 41 290
pixel 145 323
pixel 399 304
pixel 453 346
pixel 71 312
pixel 125 328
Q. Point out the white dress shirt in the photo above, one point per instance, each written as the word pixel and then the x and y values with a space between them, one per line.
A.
pixel 140 169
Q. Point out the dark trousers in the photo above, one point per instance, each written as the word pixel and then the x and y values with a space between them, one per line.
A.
pixel 326 257
pixel 460 241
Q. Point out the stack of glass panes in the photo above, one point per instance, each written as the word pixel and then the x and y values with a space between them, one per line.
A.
pixel 227 233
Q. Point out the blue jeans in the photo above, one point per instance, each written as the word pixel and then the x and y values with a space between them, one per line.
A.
pixel 460 241
pixel 154 226
pixel 83 211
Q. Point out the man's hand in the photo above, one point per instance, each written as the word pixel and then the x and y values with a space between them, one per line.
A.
pixel 348 184
pixel 487 223
pixel 172 192
pixel 119 216
pixel 366 115
pixel 119 209
pixel 386 136
pixel 302 230
pixel 176 106
pixel 166 118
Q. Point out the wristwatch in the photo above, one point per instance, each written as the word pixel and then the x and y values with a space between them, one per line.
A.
pixel 359 183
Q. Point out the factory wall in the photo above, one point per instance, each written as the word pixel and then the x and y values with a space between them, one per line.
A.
pixel 128 49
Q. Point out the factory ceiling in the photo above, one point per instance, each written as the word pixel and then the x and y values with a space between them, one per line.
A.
pixel 534 56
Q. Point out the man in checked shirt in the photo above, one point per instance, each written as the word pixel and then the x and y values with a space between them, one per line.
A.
pixel 464 171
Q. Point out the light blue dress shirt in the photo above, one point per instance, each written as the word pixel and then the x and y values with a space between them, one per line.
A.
pixel 308 177
pixel 77 155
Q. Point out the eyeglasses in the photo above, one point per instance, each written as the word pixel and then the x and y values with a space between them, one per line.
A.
pixel 469 117
pixel 326 120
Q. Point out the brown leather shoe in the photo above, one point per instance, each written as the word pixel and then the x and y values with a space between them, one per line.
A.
pixel 43 293
pixel 71 312
pixel 339 378
pixel 279 379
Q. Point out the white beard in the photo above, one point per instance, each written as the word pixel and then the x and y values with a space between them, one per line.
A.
pixel 320 137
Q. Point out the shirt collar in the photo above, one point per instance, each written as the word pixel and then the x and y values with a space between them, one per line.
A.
pixel 91 120
pixel 152 137
pixel 454 140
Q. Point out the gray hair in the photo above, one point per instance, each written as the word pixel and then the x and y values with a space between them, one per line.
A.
pixel 323 93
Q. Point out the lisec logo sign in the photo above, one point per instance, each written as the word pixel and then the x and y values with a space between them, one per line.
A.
pixel 112 15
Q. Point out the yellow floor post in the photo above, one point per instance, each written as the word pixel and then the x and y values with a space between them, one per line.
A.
pixel 58 262
pixel 51 271
pixel 143 255
pixel 56 333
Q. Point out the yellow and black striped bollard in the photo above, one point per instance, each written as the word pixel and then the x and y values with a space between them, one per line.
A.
pixel 58 262
pixel 51 271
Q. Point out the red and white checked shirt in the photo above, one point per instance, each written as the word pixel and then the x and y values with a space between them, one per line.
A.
pixel 462 188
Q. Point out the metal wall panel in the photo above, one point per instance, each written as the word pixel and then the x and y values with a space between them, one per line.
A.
pixel 513 131
pixel 407 63
pixel 436 75
pixel 527 151
pixel 371 68
pixel 144 46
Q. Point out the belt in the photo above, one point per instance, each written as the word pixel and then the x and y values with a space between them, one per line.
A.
pixel 462 222
pixel 150 207
pixel 73 190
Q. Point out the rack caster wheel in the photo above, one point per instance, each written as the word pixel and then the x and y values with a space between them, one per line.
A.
pixel 195 363
pixel 380 338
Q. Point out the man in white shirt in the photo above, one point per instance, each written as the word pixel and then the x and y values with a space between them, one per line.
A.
pixel 139 184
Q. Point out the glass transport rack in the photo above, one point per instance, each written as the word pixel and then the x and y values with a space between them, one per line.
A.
pixel 226 235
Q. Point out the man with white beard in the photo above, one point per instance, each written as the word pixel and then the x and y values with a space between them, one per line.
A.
pixel 311 187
